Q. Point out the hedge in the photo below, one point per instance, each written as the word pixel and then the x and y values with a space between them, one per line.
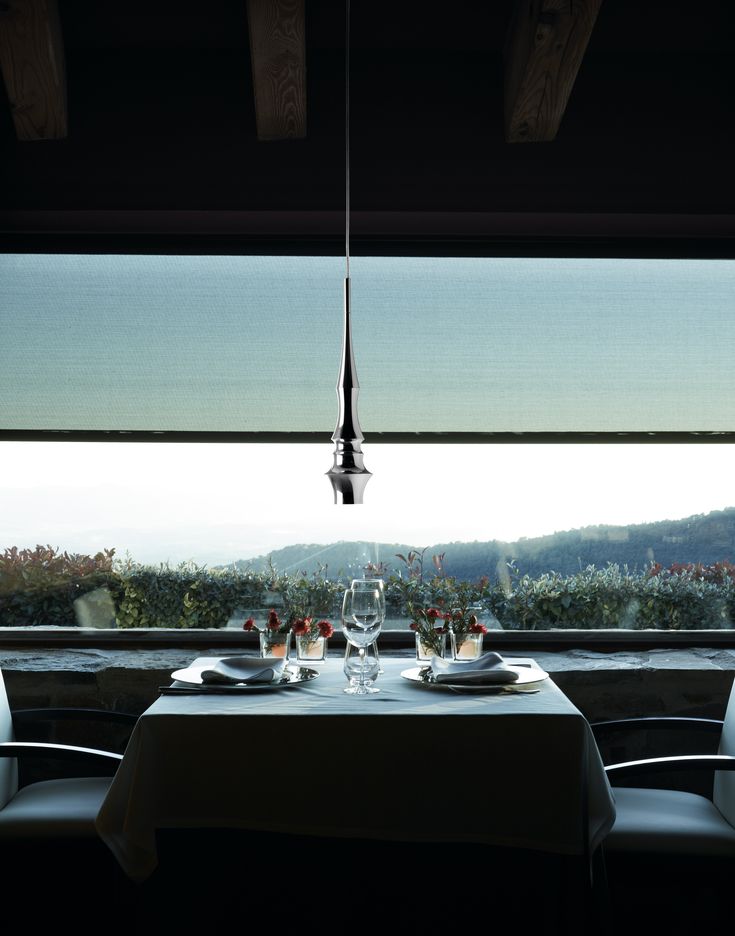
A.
pixel 38 588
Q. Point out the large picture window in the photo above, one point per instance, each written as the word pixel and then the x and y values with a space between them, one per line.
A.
pixel 495 350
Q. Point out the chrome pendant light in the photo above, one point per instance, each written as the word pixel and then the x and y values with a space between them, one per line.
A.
pixel 348 474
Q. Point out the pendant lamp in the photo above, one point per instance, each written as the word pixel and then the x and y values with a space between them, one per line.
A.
pixel 348 474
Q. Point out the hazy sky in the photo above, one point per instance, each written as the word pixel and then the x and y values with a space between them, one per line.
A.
pixel 220 502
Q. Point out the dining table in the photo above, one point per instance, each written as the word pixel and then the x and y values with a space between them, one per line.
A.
pixel 512 766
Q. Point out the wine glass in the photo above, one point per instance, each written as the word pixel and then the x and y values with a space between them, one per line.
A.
pixel 369 584
pixel 361 621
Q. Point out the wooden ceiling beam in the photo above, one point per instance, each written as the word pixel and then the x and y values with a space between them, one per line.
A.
pixel 546 43
pixel 278 56
pixel 32 62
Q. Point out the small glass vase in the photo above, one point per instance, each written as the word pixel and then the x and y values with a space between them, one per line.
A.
pixel 466 646
pixel 424 653
pixel 273 644
pixel 310 649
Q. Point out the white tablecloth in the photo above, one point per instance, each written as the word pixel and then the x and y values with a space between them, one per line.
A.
pixel 510 770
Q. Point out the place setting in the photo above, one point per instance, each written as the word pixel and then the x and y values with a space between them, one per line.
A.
pixel 487 674
pixel 239 674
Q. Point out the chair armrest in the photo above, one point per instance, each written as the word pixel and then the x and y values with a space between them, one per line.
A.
pixel 67 714
pixel 62 751
pixel 683 762
pixel 702 724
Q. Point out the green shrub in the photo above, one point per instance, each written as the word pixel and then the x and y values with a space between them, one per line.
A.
pixel 306 595
pixel 616 598
pixel 39 586
pixel 185 596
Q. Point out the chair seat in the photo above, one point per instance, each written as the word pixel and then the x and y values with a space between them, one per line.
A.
pixel 54 808
pixel 668 821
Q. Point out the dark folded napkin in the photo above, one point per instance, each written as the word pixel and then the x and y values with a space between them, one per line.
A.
pixel 489 669
pixel 234 670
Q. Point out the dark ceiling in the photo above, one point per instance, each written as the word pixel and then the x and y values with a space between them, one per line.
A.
pixel 161 116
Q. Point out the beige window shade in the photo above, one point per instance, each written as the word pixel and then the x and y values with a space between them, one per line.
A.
pixel 252 344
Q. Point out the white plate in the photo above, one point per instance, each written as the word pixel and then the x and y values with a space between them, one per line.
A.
pixel 526 676
pixel 292 676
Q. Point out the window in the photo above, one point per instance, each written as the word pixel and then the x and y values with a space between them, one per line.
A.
pixel 247 348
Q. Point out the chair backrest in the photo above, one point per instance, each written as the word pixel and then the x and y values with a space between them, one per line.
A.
pixel 8 765
pixel 724 787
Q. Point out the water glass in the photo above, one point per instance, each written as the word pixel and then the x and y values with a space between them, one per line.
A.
pixel 361 669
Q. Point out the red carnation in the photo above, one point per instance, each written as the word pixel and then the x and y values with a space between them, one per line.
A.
pixel 325 629
pixel 273 620
pixel 477 628
pixel 447 616
pixel 414 625
pixel 433 613
pixel 301 626
pixel 249 624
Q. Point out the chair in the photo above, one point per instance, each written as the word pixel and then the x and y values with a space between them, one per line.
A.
pixel 49 847
pixel 670 849
pixel 51 808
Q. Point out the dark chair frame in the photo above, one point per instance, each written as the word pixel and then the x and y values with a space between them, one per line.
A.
pixel 66 752
pixel 680 762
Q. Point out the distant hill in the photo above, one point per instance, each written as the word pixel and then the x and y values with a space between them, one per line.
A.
pixel 705 538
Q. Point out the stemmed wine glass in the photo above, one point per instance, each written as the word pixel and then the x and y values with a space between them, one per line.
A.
pixel 361 621
pixel 370 584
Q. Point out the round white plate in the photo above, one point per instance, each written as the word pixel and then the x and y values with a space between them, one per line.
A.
pixel 527 675
pixel 292 676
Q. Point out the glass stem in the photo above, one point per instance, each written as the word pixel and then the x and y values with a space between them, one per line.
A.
pixel 362 666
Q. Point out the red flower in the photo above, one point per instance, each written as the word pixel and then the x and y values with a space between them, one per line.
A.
pixel 249 624
pixel 447 616
pixel 477 628
pixel 414 625
pixel 301 626
pixel 325 629
pixel 273 620
pixel 433 613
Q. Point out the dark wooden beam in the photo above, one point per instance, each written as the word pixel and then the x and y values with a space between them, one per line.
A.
pixel 546 43
pixel 278 56
pixel 32 62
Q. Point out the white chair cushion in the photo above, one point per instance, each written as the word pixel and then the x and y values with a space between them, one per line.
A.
pixel 52 808
pixel 668 821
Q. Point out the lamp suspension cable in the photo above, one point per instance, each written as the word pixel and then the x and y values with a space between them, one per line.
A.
pixel 347 141
pixel 348 473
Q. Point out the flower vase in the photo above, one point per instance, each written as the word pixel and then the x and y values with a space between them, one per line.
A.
pixel 466 646
pixel 310 649
pixel 424 652
pixel 274 644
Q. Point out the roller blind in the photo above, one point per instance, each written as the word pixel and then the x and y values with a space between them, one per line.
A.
pixel 252 343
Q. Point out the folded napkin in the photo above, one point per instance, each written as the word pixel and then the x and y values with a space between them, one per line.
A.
pixel 232 670
pixel 488 669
